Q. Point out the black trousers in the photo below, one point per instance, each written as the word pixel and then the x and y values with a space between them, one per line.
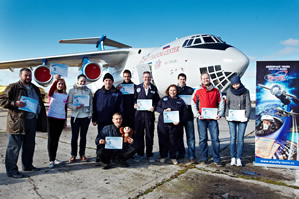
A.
pixel 106 155
pixel 181 147
pixel 148 126
pixel 80 125
pixel 168 139
pixel 55 127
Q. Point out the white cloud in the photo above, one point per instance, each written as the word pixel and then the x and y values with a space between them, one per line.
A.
pixel 290 42
pixel 287 51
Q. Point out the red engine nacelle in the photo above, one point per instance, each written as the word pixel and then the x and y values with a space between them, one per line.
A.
pixel 92 71
pixel 42 75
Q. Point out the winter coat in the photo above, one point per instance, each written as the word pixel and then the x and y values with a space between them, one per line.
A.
pixel 105 104
pixel 16 117
pixel 238 102
pixel 204 98
pixel 80 90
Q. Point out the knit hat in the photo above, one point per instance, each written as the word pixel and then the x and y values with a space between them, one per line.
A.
pixel 235 80
pixel 108 76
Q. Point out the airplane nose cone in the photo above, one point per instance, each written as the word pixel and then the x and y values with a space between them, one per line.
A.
pixel 235 61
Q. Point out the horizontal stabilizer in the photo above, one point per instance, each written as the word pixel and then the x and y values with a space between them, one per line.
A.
pixel 95 40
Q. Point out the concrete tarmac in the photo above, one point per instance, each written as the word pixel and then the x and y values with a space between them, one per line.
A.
pixel 145 179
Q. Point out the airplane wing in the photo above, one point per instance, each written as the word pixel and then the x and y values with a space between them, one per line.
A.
pixel 95 40
pixel 112 57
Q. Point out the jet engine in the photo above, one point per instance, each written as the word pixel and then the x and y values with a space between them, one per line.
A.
pixel 92 71
pixel 42 75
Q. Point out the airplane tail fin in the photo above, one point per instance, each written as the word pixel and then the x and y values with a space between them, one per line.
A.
pixel 99 41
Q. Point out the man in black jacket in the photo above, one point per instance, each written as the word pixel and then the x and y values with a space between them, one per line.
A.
pixel 22 125
pixel 128 101
pixel 120 155
pixel 183 89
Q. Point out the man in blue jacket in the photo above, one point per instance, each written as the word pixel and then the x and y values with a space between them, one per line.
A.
pixel 106 101
pixel 120 155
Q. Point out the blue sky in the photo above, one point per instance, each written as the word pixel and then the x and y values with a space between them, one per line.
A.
pixel 263 30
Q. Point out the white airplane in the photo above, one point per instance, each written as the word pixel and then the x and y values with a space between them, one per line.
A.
pixel 191 55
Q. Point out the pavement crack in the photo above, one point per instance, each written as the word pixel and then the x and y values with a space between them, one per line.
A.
pixel 267 181
pixel 34 187
pixel 184 169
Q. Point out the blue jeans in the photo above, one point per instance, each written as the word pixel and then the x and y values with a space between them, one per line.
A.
pixel 203 126
pixel 233 135
pixel 16 143
pixel 189 128
pixel 80 125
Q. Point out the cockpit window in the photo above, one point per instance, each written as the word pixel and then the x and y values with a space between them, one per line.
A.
pixel 190 42
pixel 216 38
pixel 205 41
pixel 185 43
pixel 197 41
pixel 208 39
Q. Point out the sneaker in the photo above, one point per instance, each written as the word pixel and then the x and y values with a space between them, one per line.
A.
pixel 233 162
pixel 174 161
pixel 219 164
pixel 239 162
pixel 56 162
pixel 151 159
pixel 72 159
pixel 192 161
pixel 163 160
pixel 138 158
pixel 51 165
pixel 83 158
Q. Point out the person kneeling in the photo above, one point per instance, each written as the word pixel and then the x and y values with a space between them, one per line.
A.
pixel 105 154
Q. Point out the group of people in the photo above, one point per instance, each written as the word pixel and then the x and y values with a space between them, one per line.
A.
pixel 110 111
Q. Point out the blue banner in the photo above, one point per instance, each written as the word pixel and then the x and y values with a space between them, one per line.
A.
pixel 277 114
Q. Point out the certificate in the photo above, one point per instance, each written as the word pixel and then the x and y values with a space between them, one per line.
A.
pixel 81 99
pixel 59 69
pixel 127 89
pixel 209 113
pixel 31 104
pixel 186 98
pixel 171 116
pixel 236 115
pixel 144 104
pixel 113 142
pixel 263 147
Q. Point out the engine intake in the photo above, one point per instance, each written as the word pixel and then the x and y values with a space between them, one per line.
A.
pixel 92 71
pixel 42 75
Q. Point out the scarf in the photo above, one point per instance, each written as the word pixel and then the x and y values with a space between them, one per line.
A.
pixel 241 90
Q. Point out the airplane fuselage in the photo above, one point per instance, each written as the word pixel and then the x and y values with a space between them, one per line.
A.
pixel 221 61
